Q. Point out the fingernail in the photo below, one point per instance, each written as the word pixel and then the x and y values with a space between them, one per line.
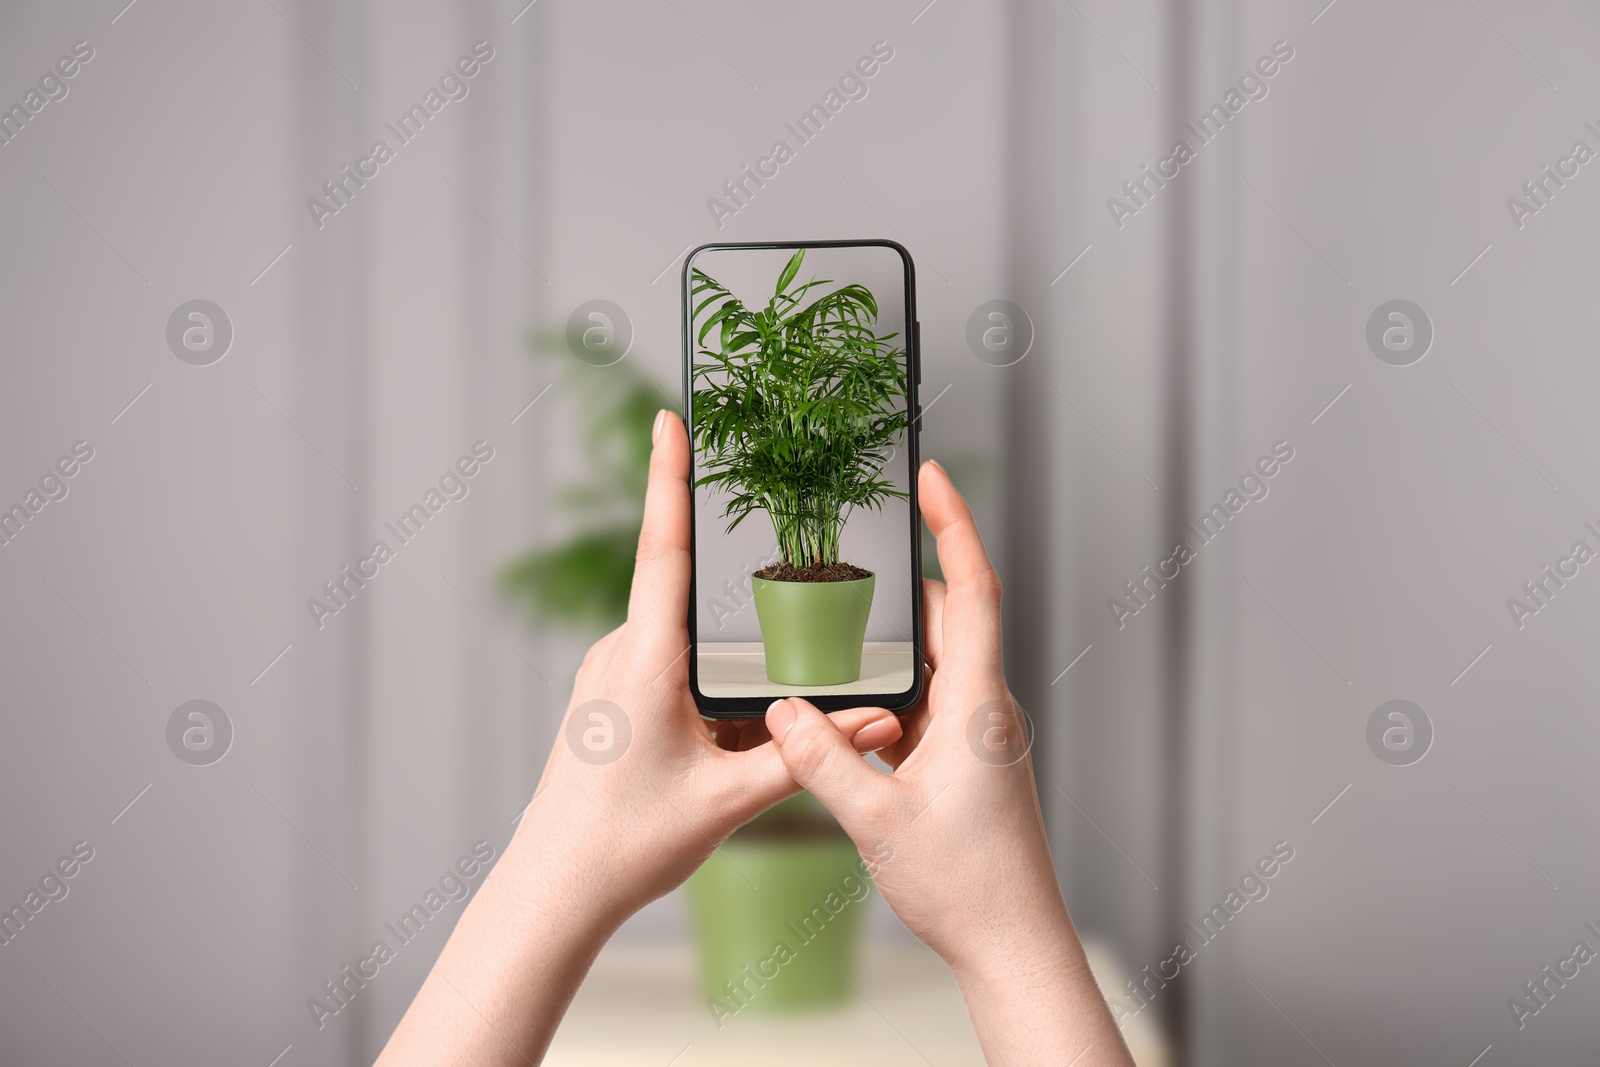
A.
pixel 780 718
pixel 875 735
pixel 655 432
pixel 935 465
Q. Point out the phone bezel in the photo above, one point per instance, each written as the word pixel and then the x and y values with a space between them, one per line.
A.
pixel 756 706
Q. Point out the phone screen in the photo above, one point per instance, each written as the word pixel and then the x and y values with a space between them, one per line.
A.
pixel 801 370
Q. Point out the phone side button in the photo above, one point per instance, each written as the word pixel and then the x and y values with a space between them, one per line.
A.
pixel 916 347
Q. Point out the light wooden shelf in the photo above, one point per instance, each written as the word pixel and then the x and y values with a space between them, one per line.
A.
pixel 739 669
pixel 640 1007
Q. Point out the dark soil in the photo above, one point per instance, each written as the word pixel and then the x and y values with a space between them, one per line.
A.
pixel 831 572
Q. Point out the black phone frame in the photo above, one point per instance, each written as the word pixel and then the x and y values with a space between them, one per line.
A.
pixel 755 706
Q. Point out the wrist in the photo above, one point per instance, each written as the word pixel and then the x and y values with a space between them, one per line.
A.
pixel 526 929
pixel 1032 942
pixel 548 892
pixel 1007 915
pixel 1038 1002
pixel 516 959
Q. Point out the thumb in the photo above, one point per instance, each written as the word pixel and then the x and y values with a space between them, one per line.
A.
pixel 820 758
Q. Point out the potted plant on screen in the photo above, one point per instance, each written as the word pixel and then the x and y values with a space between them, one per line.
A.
pixel 797 408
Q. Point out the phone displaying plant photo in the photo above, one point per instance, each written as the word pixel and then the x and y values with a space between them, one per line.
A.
pixel 800 382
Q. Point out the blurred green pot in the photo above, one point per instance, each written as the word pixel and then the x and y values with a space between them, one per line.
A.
pixel 790 941
pixel 812 632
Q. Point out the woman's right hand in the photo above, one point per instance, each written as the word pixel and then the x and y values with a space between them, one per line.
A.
pixel 954 837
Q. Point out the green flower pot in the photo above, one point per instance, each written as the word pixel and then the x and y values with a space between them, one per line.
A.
pixel 787 943
pixel 812 632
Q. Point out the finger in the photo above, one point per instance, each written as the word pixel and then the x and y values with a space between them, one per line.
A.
pixel 867 729
pixel 745 784
pixel 933 594
pixel 961 553
pixel 913 726
pixel 726 735
pixel 819 758
pixel 753 733
pixel 658 604
pixel 739 735
pixel 970 615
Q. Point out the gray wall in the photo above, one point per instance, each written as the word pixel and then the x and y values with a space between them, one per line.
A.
pixel 370 752
pixel 1227 314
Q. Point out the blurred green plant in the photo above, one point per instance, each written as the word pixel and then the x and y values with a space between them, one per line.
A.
pixel 582 581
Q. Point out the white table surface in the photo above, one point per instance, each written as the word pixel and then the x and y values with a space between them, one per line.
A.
pixel 739 669
pixel 641 1007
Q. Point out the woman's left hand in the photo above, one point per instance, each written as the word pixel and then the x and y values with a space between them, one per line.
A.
pixel 639 789
pixel 637 793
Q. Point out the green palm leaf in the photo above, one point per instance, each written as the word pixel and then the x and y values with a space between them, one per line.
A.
pixel 797 408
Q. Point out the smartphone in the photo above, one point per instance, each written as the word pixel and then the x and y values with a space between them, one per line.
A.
pixel 801 363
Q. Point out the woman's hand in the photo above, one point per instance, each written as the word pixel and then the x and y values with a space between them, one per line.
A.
pixel 955 834
pixel 639 790
pixel 637 793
